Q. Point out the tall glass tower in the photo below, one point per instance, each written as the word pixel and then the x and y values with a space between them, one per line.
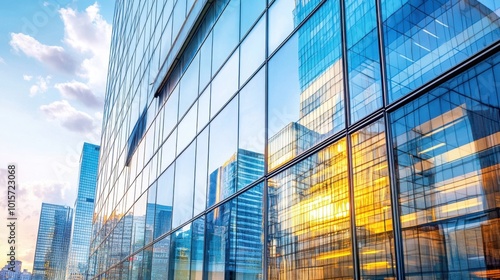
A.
pixel 300 139
pixel 84 213
pixel 52 243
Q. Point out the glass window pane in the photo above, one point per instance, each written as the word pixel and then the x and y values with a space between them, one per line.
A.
pixel 203 109
pixel 139 211
pixel 180 253
pixel 206 62
pixel 165 194
pixel 170 112
pixel 197 248
pixel 189 86
pixel 253 50
pixel 159 264
pixel 225 84
pixel 447 147
pixel 365 88
pixel 179 16
pixel 222 156
pixel 309 218
pixel 184 186
pixel 168 150
pixel 249 235
pixel 150 213
pixel 305 87
pixel 201 176
pixel 226 34
pixel 252 130
pixel 220 246
pixel 284 16
pixel 187 129
pixel 423 39
pixel 250 11
pixel 372 203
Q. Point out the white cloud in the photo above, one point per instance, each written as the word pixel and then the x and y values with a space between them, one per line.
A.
pixel 41 85
pixel 69 117
pixel 54 56
pixel 81 92
pixel 88 33
pixel 2 61
pixel 27 77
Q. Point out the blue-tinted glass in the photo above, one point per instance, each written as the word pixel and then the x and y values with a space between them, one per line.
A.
pixel 179 16
pixel 423 39
pixel 305 91
pixel 365 88
pixel 253 50
pixel 138 225
pixel 197 248
pixel 54 235
pixel 168 151
pixel 189 86
pixel 206 62
pixel 447 157
pixel 203 109
pixel 159 264
pixel 226 34
pixel 284 16
pixel 180 253
pixel 187 129
pixel 223 146
pixel 164 197
pixel 135 268
pixel 250 11
pixel 252 130
pixel 184 186
pixel 150 214
pixel 201 176
pixel 220 244
pixel 170 112
pixel 249 234
pixel 225 84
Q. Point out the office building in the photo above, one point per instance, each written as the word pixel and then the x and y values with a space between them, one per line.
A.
pixel 312 139
pixel 84 212
pixel 52 243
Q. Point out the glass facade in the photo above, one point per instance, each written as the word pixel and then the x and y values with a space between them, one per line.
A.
pixel 84 211
pixel 52 243
pixel 333 139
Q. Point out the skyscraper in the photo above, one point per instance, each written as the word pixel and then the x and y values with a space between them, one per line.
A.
pixel 52 243
pixel 84 213
pixel 312 139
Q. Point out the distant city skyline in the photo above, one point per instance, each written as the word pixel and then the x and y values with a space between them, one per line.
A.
pixel 53 65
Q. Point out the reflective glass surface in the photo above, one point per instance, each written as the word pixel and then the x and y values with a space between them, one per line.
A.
pixel 223 145
pixel 372 202
pixel 309 218
pixel 363 60
pixel 251 131
pixel 164 200
pixel 233 248
pixel 184 186
pixel 447 146
pixel 226 116
pixel 226 34
pixel 425 38
pixel 305 88
pixel 180 253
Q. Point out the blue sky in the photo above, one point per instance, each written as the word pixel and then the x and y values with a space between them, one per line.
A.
pixel 53 65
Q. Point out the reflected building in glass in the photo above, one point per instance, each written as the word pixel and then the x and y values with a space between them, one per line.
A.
pixel 283 139
pixel 84 212
pixel 52 243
